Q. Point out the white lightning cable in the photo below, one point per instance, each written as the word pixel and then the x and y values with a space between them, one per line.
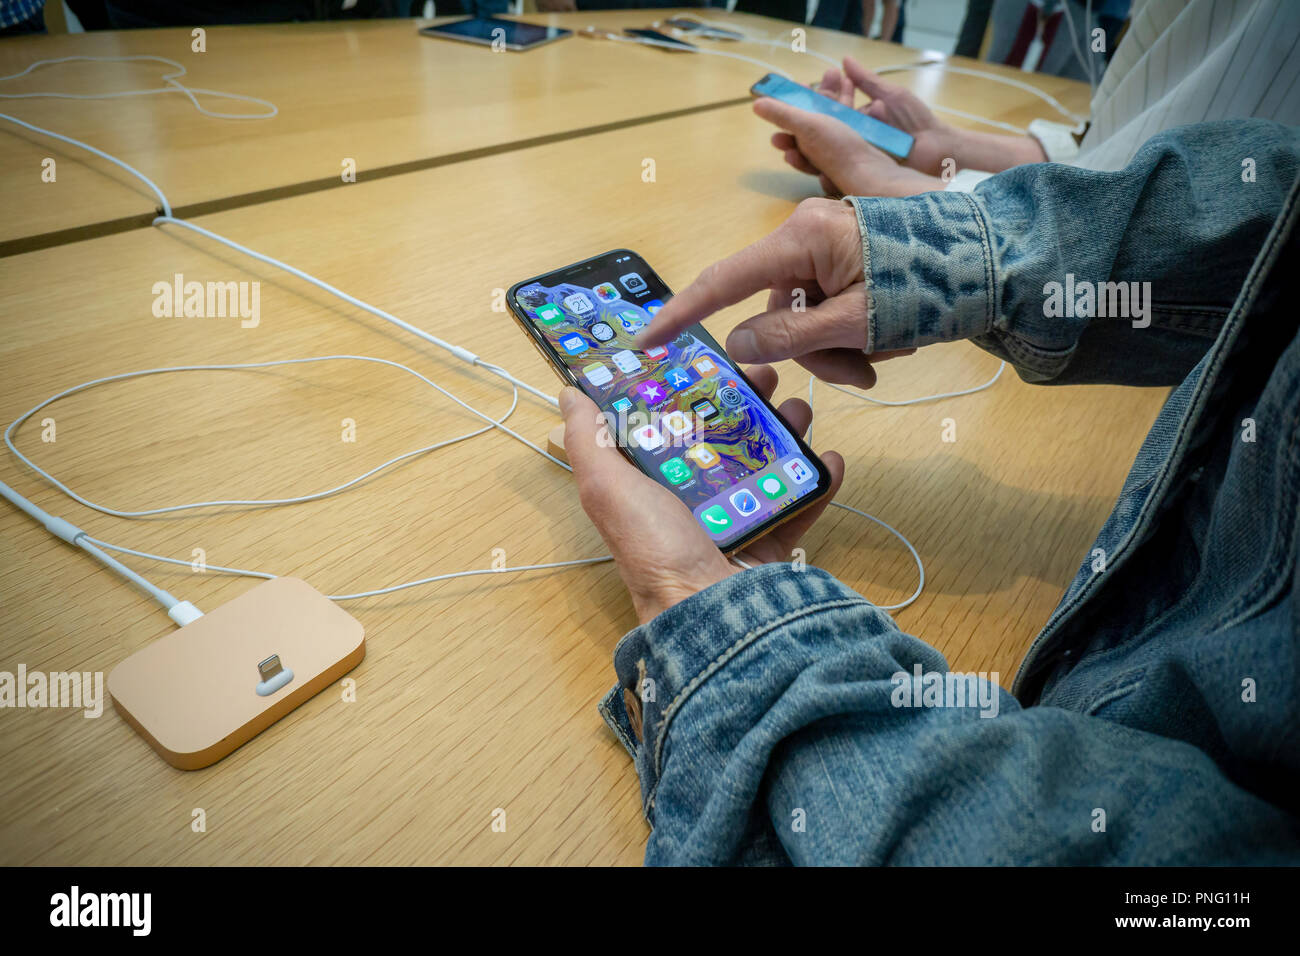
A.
pixel 903 402
pixel 1046 97
pixel 167 209
pixel 267 576
pixel 920 566
pixel 913 401
pixel 465 355
pixel 182 612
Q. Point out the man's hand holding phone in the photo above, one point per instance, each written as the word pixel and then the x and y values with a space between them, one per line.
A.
pixel 847 165
pixel 844 163
pixel 817 304
pixel 661 552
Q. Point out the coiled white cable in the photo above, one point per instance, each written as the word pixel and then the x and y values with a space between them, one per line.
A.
pixel 169 78
pixel 920 566
pixel 261 502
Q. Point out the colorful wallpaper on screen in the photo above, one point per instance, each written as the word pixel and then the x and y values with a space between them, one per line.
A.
pixel 591 327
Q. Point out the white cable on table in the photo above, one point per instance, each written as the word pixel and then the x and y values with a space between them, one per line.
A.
pixel 465 355
pixel 168 78
pixel 167 209
pixel 259 502
pixel 1047 98
pixel 182 612
pixel 912 401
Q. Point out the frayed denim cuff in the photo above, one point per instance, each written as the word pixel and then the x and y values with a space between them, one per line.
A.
pixel 929 269
pixel 661 663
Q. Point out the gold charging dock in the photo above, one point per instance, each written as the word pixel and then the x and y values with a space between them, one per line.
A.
pixel 214 684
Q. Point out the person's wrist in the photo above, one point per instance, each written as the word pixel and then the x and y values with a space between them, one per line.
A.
pixel 659 590
pixel 954 144
pixel 1032 151
pixel 904 181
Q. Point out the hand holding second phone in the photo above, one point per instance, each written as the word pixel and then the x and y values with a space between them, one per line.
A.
pixel 843 161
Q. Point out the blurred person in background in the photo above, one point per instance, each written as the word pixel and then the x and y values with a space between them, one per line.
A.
pixel 21 17
pixel 1056 36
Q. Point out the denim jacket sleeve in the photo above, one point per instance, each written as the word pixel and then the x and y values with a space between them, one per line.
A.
pixel 1073 275
pixel 771 728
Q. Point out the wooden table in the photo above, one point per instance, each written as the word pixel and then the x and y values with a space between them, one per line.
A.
pixel 375 92
pixel 476 694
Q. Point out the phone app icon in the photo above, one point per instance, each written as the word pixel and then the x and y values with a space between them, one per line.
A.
pixel 633 283
pixel 621 405
pixel 772 486
pixel 704 409
pixel 677 423
pixel 627 361
pixel 679 378
pixel 630 321
pixel 799 471
pixel 744 502
pixel 607 292
pixel 675 470
pixel 549 314
pixel 578 303
pixel 651 391
pixel 647 437
pixel 653 306
pixel 598 374
pixel 657 353
pixel 602 331
pixel 731 396
pixel 703 455
pixel 574 344
pixel 715 519
pixel 705 366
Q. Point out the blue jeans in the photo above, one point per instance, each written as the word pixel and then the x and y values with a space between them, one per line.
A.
pixel 779 717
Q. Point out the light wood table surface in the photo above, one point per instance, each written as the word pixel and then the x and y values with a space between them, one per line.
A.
pixel 375 92
pixel 476 694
